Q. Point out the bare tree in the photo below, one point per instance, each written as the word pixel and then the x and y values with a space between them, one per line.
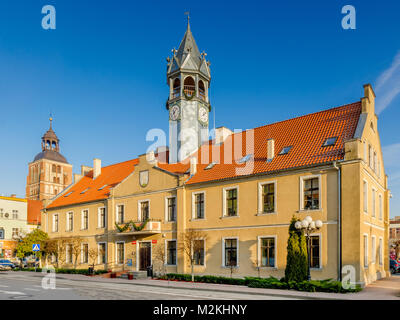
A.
pixel 256 265
pixel 191 246
pixel 159 257
pixel 61 251
pixel 76 243
pixel 93 256
pixel 232 265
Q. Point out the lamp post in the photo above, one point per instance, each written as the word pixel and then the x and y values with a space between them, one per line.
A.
pixel 308 226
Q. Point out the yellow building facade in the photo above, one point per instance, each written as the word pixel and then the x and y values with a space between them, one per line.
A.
pixel 239 191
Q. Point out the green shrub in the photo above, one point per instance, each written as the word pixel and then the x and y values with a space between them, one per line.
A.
pixel 206 279
pixel 65 271
pixel 296 260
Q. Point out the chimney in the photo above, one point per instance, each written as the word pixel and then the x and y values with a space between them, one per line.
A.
pixel 221 134
pixel 77 177
pixel 151 158
pixel 96 168
pixel 162 154
pixel 270 149
pixel 13 195
pixel 85 170
pixel 193 166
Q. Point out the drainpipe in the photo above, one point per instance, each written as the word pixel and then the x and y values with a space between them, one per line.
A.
pixel 339 219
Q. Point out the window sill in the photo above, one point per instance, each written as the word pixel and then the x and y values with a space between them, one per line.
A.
pixel 83 229
pixel 198 219
pixel 260 214
pixel 315 269
pixel 229 217
pixel 268 268
pixel 99 228
pixel 170 265
pixel 170 222
pixel 309 210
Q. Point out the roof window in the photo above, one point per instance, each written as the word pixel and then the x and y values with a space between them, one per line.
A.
pixel 102 187
pixel 330 142
pixel 285 150
pixel 69 193
pixel 245 158
pixel 85 190
pixel 210 166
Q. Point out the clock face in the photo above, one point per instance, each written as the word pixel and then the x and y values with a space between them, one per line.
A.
pixel 203 115
pixel 174 112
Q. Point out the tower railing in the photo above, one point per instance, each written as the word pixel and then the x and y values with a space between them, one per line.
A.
pixel 189 90
pixel 176 92
pixel 202 94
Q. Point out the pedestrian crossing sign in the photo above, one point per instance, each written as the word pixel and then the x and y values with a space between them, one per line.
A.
pixel 35 247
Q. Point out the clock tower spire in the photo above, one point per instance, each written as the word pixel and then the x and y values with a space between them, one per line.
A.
pixel 188 78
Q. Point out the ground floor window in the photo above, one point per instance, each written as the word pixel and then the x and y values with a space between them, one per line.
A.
pixel 267 252
pixel 198 252
pixel 315 250
pixel 120 253
pixel 230 250
pixel 102 253
pixel 171 252
pixel 69 253
pixel 365 251
pixel 85 253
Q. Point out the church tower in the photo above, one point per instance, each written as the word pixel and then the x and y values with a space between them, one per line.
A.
pixel 188 77
pixel 49 172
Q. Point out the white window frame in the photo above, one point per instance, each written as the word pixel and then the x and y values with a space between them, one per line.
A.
pixel 366 249
pixel 380 251
pixel 380 200
pixel 223 252
pixel 116 253
pixel 194 205
pixel 205 252
pixel 139 208
pixel 68 252
pixel 260 199
pixel 166 252
pixel 224 207
pixel 105 253
pixel 166 208
pixel 259 239
pixel 83 244
pixel 365 196
pixel 82 219
pixel 116 212
pixel 53 227
pixel 319 235
pixel 312 176
pixel 373 200
pixel 69 227
pixel 99 218
pixel 373 249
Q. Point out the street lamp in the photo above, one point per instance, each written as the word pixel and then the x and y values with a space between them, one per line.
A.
pixel 308 226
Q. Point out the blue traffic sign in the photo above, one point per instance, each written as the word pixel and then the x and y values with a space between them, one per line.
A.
pixel 36 247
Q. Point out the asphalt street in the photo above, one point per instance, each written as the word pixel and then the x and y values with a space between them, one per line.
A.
pixel 28 286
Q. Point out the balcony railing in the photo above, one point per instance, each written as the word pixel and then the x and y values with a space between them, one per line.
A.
pixel 149 226
pixel 176 92
pixel 202 94
pixel 189 90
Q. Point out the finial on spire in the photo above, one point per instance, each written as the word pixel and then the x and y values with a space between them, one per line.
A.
pixel 51 120
pixel 188 19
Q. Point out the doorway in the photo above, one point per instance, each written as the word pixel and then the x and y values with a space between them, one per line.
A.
pixel 144 255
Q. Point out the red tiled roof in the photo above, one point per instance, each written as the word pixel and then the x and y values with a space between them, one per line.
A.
pixel 88 189
pixel 306 135
pixel 34 207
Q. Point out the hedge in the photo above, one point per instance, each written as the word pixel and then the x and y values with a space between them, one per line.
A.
pixel 328 285
pixel 65 271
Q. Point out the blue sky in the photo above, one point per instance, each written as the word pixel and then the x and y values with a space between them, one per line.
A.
pixel 102 72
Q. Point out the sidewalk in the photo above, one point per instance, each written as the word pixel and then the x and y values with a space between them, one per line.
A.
pixel 385 289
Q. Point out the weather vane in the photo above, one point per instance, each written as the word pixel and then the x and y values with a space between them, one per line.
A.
pixel 187 13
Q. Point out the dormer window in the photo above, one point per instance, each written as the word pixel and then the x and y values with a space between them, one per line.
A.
pixel 245 159
pixel 285 150
pixel 85 190
pixel 210 166
pixel 330 142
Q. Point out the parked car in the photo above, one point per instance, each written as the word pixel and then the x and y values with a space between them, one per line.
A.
pixel 394 266
pixel 7 264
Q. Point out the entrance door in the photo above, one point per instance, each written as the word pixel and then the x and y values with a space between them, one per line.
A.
pixel 145 255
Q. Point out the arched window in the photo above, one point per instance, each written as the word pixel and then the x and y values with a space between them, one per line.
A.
pixel 176 88
pixel 53 145
pixel 48 144
pixel 202 90
pixel 189 87
pixel 53 168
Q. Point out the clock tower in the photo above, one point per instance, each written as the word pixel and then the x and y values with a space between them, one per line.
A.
pixel 188 78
